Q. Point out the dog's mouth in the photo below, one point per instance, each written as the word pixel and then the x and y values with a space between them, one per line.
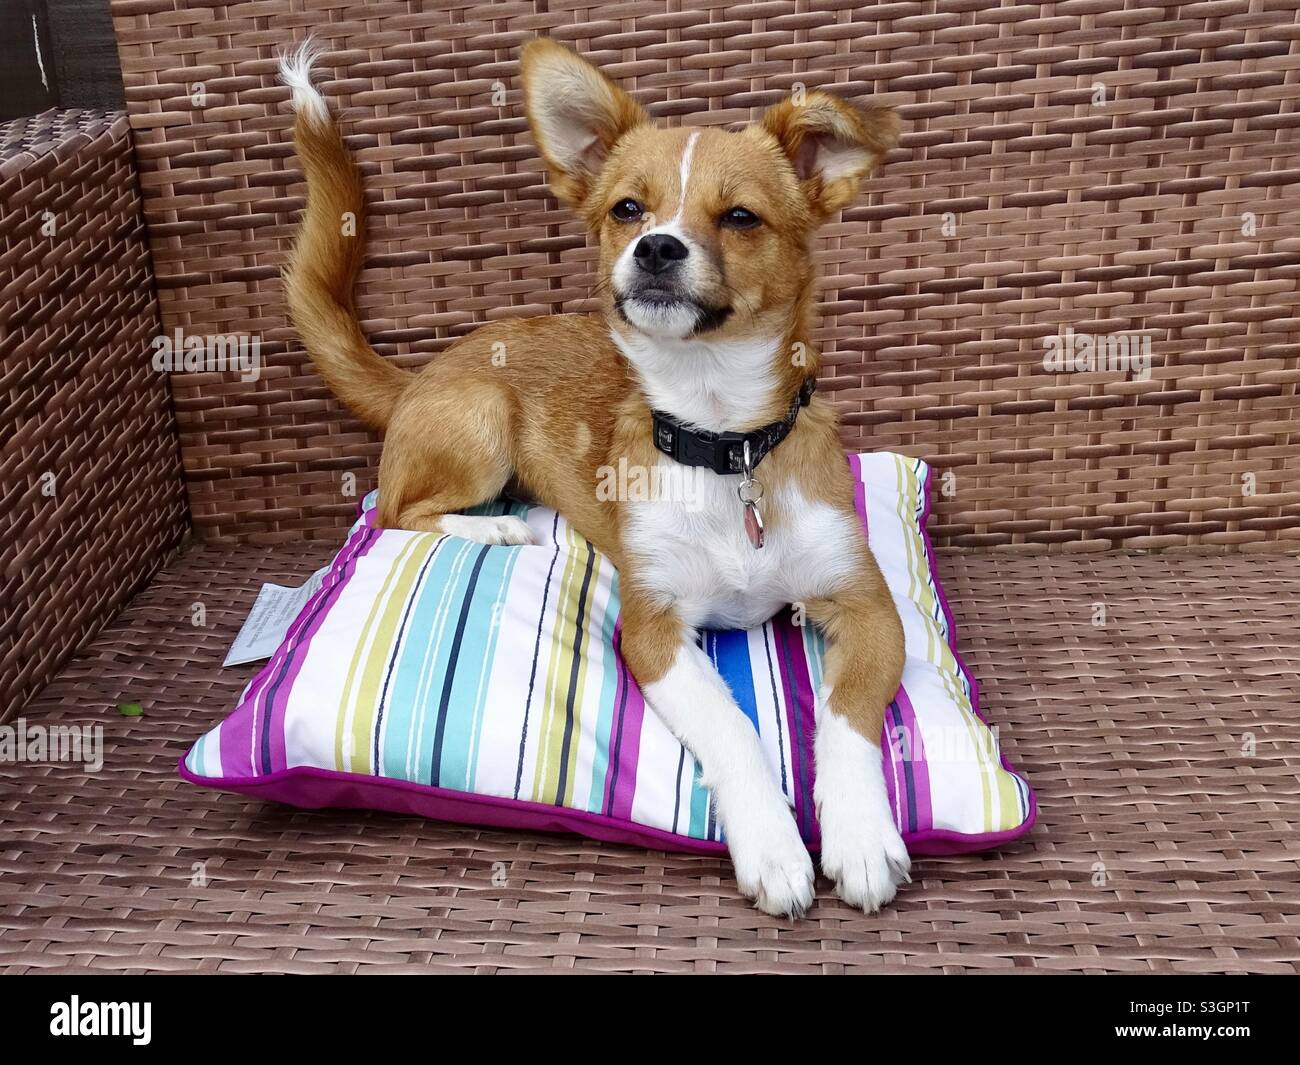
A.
pixel 656 307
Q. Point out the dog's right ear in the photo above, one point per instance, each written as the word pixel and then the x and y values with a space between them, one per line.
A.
pixel 576 115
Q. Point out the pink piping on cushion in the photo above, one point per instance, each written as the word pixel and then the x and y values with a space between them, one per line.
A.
pixel 310 788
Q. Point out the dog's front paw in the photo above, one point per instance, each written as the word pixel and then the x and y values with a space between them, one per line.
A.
pixel 861 848
pixel 865 856
pixel 772 864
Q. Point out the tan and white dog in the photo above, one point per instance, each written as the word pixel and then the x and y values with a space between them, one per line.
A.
pixel 706 283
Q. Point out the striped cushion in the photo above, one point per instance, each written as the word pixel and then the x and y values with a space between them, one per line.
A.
pixel 437 676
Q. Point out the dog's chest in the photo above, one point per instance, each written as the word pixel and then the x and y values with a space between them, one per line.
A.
pixel 692 549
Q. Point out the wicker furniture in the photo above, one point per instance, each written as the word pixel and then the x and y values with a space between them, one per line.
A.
pixel 91 469
pixel 1160 731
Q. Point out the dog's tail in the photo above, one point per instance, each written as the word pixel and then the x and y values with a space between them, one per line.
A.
pixel 327 256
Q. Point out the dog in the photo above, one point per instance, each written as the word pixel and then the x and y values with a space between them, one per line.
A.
pixel 699 357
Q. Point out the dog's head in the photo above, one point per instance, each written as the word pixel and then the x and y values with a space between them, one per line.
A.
pixel 703 232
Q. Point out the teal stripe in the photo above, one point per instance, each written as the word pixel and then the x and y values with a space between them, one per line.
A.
pixel 412 705
pixel 411 722
pixel 605 719
pixel 453 766
pixel 479 666
pixel 699 805
pixel 194 761
pixel 814 650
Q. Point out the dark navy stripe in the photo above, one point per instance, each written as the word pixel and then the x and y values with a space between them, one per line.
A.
pixel 677 791
pixel 804 808
pixel 711 821
pixel 578 632
pixel 908 754
pixel 397 645
pixel 537 646
pixel 769 629
pixel 435 769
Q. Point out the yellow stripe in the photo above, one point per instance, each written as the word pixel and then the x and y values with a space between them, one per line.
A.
pixel 382 650
pixel 1008 793
pixel 358 652
pixel 557 673
pixel 580 681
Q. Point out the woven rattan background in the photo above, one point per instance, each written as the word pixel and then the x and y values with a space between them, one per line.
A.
pixel 1104 166
pixel 92 489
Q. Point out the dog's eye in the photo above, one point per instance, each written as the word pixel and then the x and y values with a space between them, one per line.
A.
pixel 739 218
pixel 626 211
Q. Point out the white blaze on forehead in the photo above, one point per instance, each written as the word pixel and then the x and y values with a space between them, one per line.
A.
pixel 678 319
pixel 688 153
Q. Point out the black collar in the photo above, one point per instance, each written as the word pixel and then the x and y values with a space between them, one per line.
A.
pixel 724 452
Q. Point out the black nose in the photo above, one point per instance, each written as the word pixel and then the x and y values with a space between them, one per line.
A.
pixel 657 252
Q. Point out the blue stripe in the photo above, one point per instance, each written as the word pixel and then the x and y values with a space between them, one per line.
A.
pixel 396 654
pixel 435 762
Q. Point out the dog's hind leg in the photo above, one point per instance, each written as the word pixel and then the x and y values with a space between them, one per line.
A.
pixel 446 450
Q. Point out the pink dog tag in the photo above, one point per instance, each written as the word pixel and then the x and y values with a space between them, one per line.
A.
pixel 753 525
pixel 750 493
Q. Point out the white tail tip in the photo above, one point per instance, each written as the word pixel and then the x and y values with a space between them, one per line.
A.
pixel 295 71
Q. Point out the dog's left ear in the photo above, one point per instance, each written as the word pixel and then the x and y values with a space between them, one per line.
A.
pixel 576 115
pixel 832 145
